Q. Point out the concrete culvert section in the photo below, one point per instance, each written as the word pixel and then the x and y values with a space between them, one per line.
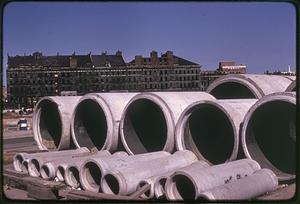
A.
pixel 145 122
pixel 72 177
pixel 183 187
pixel 210 129
pixel 91 176
pixel 148 121
pixel 90 125
pixel 95 121
pixel 187 183
pixel 239 86
pixel 269 134
pixel 51 122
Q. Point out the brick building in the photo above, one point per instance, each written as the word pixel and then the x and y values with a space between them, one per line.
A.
pixel 34 76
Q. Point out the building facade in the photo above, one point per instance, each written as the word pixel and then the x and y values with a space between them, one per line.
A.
pixel 32 77
pixel 229 67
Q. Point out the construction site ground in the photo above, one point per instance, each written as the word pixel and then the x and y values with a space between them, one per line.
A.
pixel 21 186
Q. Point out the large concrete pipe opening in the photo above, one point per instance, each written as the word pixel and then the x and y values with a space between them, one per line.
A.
pixel 90 125
pixel 270 137
pixel 182 187
pixel 144 127
pixel 232 90
pixel 49 128
pixel 209 133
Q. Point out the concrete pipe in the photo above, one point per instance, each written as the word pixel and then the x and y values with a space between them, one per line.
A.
pixel 71 175
pixel 49 169
pixel 19 158
pixel 150 194
pixel 291 87
pixel 159 187
pixel 20 161
pixel 187 183
pixel 35 163
pixel 269 134
pixel 95 122
pixel 51 122
pixel 238 86
pixel 148 121
pixel 157 184
pixel 61 168
pixel 211 129
pixel 259 183
pixel 92 170
pixel 124 181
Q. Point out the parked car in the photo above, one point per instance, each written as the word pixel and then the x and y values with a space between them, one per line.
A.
pixel 22 124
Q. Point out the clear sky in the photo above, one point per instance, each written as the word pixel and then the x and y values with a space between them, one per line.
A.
pixel 260 35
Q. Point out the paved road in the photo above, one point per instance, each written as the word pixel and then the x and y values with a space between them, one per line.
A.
pixel 18 143
pixel 17 134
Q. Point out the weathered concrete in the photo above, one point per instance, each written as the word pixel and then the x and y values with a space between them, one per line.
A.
pixel 93 169
pixel 124 181
pixel 72 171
pixel 259 183
pixel 49 169
pixel 95 122
pixel 239 86
pixel 148 121
pixel 187 183
pixel 211 129
pixel 35 163
pixel 51 122
pixel 269 134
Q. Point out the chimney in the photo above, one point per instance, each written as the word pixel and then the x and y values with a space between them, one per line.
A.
pixel 138 60
pixel 154 58
pixel 119 53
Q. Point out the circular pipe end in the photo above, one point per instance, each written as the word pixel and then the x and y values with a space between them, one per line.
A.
pixel 90 176
pixel 17 162
pixel 34 168
pixel 72 176
pixel 47 124
pixel 147 125
pixel 60 173
pixel 269 136
pixel 92 124
pixel 207 129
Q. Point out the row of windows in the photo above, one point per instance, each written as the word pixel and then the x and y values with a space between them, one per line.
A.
pixel 103 72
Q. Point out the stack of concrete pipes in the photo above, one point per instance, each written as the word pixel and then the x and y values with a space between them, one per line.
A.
pixel 240 116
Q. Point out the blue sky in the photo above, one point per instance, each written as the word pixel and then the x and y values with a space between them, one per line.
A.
pixel 260 35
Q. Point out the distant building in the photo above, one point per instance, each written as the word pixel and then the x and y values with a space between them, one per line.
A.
pixel 165 60
pixel 229 67
pixel 289 72
pixel 34 76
